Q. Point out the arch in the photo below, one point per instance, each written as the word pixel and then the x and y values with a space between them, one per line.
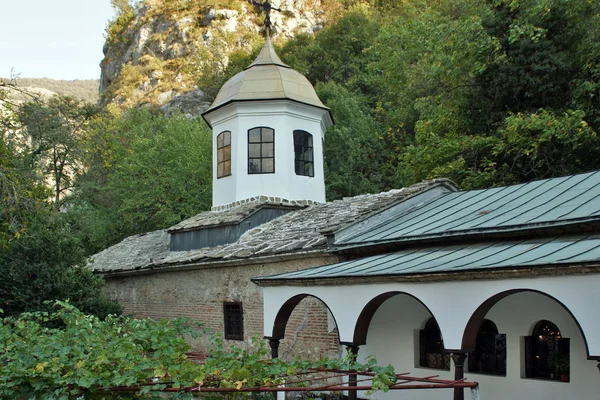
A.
pixel 283 315
pixel 472 327
pixel 366 315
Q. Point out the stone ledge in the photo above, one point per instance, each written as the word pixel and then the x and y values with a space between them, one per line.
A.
pixel 264 200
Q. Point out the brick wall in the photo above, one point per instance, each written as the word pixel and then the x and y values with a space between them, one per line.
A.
pixel 310 332
pixel 199 295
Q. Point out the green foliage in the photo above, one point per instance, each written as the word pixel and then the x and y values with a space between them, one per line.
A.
pixel 543 144
pixel 88 357
pixel 47 263
pixel 49 140
pixel 478 92
pixel 337 53
pixel 125 14
pixel 353 148
pixel 145 172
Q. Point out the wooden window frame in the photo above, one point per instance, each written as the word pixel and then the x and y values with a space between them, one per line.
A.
pixel 233 332
pixel 301 150
pixel 223 150
pixel 263 146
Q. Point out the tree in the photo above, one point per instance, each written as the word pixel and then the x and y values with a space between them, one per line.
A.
pixel 353 147
pixel 47 263
pixel 489 93
pixel 49 140
pixel 41 258
pixel 145 171
pixel 337 53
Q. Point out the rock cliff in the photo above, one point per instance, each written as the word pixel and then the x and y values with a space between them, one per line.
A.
pixel 157 52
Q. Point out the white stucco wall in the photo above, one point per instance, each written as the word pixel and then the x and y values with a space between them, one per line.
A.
pixel 393 339
pixel 284 117
pixel 392 333
pixel 452 303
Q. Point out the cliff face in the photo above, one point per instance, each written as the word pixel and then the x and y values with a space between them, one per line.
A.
pixel 158 52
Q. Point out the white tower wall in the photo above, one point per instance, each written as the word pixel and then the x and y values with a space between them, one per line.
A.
pixel 284 116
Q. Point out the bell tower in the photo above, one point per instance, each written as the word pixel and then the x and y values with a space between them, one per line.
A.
pixel 268 129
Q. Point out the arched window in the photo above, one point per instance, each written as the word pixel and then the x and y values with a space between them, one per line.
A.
pixel 261 151
pixel 547 353
pixel 489 356
pixel 303 154
pixel 224 154
pixel 431 347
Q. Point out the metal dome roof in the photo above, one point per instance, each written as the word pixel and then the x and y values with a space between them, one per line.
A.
pixel 267 78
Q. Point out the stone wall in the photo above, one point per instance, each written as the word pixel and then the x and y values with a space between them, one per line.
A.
pixel 199 294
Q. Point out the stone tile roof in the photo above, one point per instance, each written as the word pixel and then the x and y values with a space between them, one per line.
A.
pixel 298 231
pixel 134 252
pixel 228 216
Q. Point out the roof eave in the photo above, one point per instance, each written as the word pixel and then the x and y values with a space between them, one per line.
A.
pixel 219 263
pixel 511 272
pixel 218 107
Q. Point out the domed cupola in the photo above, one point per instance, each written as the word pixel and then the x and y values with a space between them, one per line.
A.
pixel 268 129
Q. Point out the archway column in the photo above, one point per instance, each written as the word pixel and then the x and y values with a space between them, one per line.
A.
pixel 274 345
pixel 352 377
pixel 458 358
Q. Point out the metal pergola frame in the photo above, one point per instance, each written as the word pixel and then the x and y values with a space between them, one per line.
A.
pixel 313 380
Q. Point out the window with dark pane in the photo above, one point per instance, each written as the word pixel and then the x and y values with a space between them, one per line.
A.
pixel 303 154
pixel 261 151
pixel 431 347
pixel 489 356
pixel 224 154
pixel 547 353
pixel 233 321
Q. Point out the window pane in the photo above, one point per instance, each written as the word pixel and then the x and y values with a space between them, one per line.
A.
pixel 220 155
pixel 267 150
pixel 267 165
pixel 309 141
pixel 254 166
pixel 254 135
pixel 267 134
pixel 227 168
pixel 308 155
pixel 226 153
pixel 220 140
pixel 219 170
pixel 227 138
pixel 254 150
pixel 298 152
pixel 299 168
pixel 309 169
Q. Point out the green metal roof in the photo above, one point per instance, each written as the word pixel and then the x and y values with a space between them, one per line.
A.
pixel 539 204
pixel 541 252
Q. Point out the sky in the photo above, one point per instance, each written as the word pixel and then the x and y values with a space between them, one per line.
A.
pixel 58 39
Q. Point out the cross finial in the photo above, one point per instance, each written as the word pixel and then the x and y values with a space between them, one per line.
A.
pixel 266 7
